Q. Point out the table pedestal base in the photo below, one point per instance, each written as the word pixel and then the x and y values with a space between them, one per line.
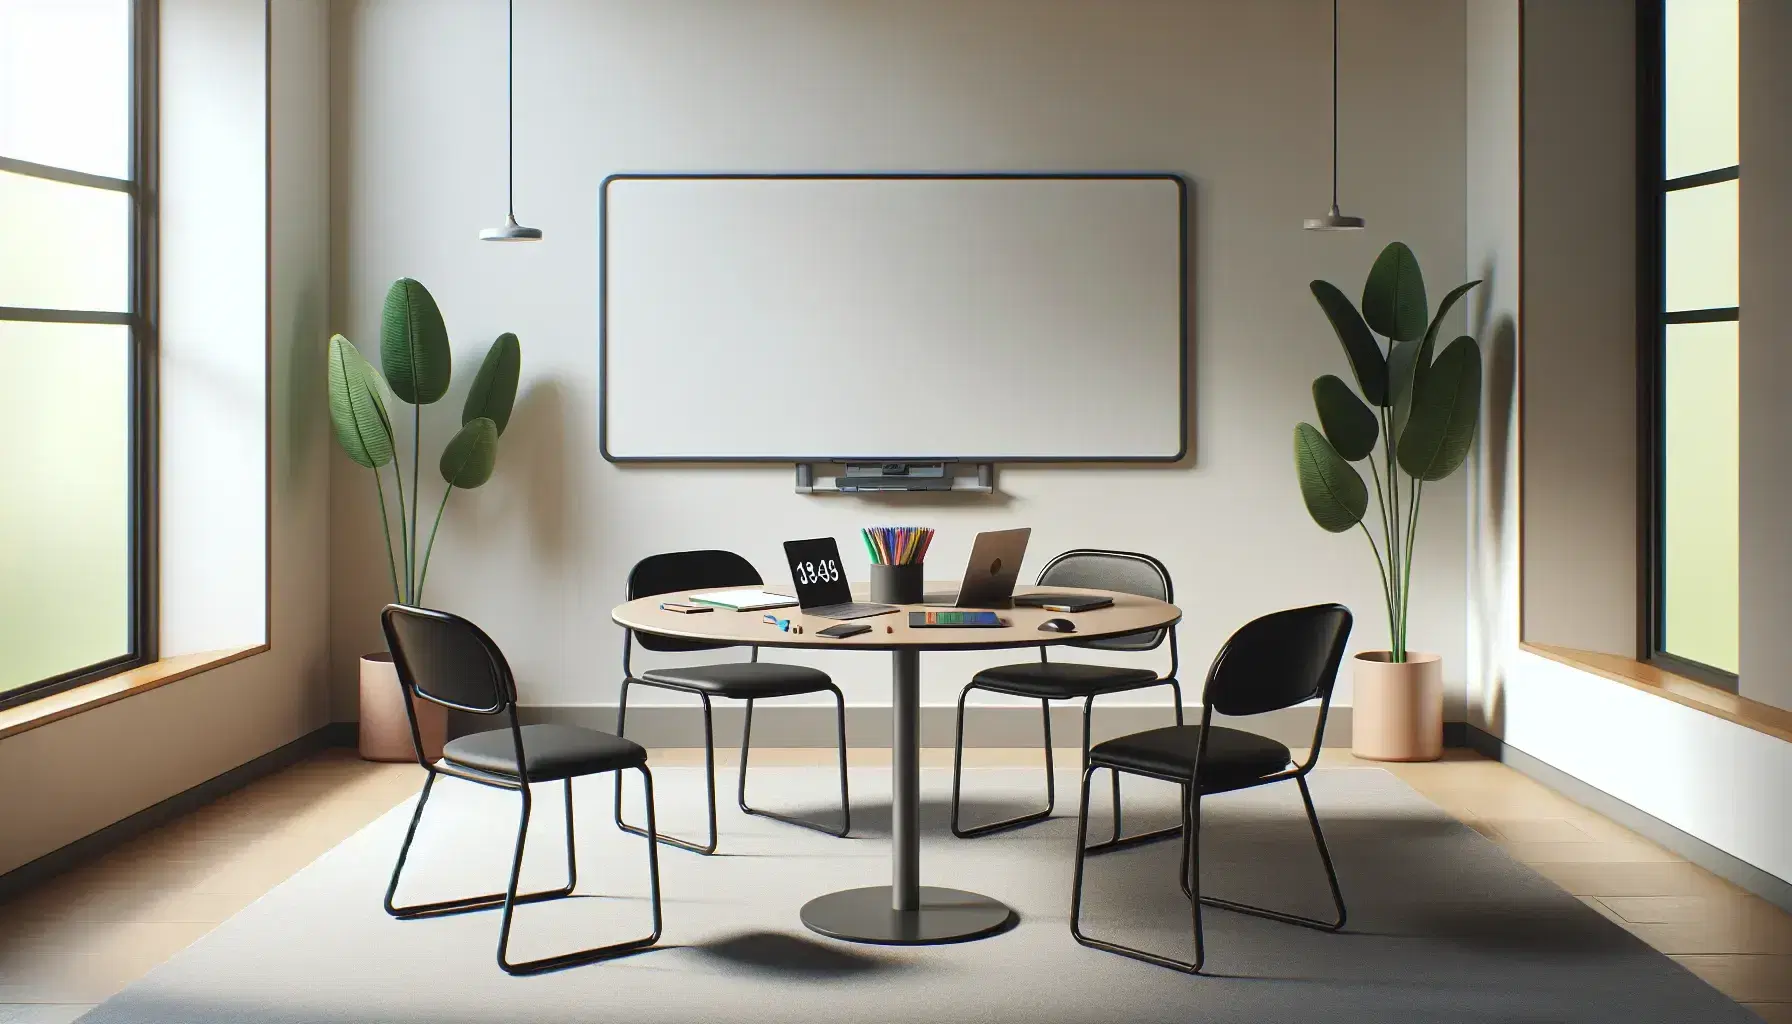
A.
pixel 945 915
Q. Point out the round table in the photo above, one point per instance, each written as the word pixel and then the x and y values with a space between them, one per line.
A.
pixel 905 912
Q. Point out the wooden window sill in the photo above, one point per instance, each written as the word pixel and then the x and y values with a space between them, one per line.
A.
pixel 88 696
pixel 1699 696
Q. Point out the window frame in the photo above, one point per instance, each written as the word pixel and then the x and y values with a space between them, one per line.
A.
pixel 1653 187
pixel 141 322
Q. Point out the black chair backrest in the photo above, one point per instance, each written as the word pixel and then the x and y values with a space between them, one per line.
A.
pixel 446 659
pixel 1279 660
pixel 678 572
pixel 1124 571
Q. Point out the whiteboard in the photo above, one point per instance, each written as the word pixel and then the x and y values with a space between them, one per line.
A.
pixel 815 317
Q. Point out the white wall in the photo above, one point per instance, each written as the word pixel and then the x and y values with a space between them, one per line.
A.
pixel 1712 779
pixel 80 774
pixel 1494 200
pixel 212 353
pixel 1232 95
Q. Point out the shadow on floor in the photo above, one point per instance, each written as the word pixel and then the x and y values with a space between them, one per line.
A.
pixel 794 956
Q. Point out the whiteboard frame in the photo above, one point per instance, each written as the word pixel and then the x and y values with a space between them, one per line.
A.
pixel 603 301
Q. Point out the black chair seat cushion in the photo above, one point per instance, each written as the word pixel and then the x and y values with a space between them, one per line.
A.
pixel 551 752
pixel 1233 758
pixel 1061 680
pixel 741 680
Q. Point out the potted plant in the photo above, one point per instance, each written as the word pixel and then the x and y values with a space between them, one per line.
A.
pixel 415 355
pixel 1414 421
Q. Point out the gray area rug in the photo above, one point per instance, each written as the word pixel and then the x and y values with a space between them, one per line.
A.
pixel 1443 926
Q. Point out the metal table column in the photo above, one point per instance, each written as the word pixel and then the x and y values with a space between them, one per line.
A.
pixel 905 912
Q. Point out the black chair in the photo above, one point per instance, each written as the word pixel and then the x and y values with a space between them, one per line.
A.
pixel 1045 680
pixel 446 659
pixel 682 572
pixel 1274 662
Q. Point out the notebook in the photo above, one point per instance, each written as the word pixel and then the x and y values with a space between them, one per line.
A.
pixel 744 600
pixel 1063 602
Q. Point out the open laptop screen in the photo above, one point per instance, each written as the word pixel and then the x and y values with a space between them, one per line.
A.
pixel 815 570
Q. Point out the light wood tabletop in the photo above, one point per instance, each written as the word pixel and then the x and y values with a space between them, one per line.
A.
pixel 1129 613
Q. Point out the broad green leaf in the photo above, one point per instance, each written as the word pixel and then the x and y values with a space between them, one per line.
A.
pixel 1335 494
pixel 414 344
pixel 1394 295
pixel 1446 407
pixel 471 454
pixel 1407 363
pixel 1366 360
pixel 494 389
pixel 357 413
pixel 1349 424
pixel 1443 309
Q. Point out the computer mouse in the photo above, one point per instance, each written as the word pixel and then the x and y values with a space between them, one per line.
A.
pixel 1058 626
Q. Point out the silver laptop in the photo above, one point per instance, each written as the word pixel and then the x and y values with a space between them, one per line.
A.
pixel 989 576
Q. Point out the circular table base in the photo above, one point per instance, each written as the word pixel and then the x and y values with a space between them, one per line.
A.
pixel 946 915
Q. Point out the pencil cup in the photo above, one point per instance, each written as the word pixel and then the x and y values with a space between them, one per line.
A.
pixel 896 584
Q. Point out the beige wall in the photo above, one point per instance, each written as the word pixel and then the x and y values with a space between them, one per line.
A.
pixel 1579 493
pixel 73 777
pixel 1232 95
pixel 1766 344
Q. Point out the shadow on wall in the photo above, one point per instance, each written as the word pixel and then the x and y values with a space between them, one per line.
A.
pixel 1488 511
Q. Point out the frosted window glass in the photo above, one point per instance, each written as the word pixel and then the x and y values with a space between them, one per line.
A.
pixel 1701 247
pixel 1701 503
pixel 1701 85
pixel 66 246
pixel 64 499
pixel 65 84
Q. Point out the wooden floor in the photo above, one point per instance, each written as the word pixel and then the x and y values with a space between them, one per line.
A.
pixel 96 929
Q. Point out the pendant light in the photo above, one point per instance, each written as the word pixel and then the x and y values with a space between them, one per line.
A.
pixel 1334 221
pixel 511 231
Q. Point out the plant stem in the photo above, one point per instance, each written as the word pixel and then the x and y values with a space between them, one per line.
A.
pixel 1380 501
pixel 404 536
pixel 1412 537
pixel 431 546
pixel 416 488
pixel 386 528
pixel 1387 593
pixel 1396 638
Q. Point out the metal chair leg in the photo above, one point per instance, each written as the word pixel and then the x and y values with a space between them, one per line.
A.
pixel 1051 794
pixel 1331 877
pixel 709 774
pixel 746 735
pixel 1076 899
pixel 470 903
pixel 596 953
pixel 1117 842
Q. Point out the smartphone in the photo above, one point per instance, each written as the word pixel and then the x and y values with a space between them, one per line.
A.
pixel 843 630
pixel 685 607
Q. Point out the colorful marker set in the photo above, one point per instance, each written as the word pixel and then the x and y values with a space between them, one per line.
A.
pixel 897 545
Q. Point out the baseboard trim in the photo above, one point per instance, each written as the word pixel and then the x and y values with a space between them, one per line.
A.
pixel 36 872
pixel 1769 887
pixel 810 725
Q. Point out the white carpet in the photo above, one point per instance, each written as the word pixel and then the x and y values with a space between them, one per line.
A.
pixel 1443 926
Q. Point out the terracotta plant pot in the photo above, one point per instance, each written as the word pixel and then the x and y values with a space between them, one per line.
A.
pixel 1397 712
pixel 385 729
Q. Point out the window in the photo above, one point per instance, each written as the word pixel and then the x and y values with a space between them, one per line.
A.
pixel 76 341
pixel 1688 70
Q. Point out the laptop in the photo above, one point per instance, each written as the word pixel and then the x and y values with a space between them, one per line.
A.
pixel 990 574
pixel 821 587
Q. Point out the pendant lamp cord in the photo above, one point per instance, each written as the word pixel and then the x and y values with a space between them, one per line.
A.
pixel 1334 106
pixel 510 100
